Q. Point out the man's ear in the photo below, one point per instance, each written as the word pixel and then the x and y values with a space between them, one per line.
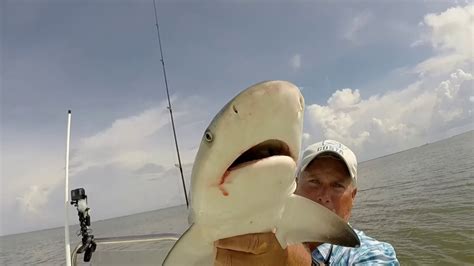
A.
pixel 354 193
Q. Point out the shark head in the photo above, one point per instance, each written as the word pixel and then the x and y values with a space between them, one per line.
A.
pixel 250 148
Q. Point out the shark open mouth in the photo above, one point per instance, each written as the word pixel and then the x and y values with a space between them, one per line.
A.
pixel 260 151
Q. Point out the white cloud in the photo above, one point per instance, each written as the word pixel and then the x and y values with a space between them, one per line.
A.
pixel 396 120
pixel 29 186
pixel 295 62
pixel 128 141
pixel 344 98
pixel 34 199
pixel 451 35
pixel 357 24
pixel 128 144
pixel 306 138
pixel 417 43
pixel 452 29
pixel 135 141
pixel 453 106
pixel 137 154
pixel 436 105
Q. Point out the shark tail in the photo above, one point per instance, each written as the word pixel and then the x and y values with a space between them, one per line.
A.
pixel 306 221
pixel 190 250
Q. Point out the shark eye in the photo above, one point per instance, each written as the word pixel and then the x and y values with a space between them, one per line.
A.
pixel 208 136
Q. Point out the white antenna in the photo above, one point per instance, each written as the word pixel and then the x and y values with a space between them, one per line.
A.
pixel 66 194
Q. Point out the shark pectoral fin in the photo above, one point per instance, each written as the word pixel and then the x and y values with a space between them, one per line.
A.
pixel 191 249
pixel 306 221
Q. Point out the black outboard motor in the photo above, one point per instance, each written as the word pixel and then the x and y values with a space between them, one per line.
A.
pixel 79 200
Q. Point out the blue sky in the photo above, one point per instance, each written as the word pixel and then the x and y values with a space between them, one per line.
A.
pixel 380 76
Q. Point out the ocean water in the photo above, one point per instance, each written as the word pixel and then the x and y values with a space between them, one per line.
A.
pixel 420 200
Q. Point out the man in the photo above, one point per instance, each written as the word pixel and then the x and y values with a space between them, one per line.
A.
pixel 327 175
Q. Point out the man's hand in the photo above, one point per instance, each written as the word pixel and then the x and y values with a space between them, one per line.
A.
pixel 259 249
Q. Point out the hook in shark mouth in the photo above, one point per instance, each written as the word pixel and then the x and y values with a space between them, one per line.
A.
pixel 268 148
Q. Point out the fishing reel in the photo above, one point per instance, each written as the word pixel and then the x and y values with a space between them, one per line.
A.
pixel 79 200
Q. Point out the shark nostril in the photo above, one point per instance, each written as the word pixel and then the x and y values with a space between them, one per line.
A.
pixel 235 109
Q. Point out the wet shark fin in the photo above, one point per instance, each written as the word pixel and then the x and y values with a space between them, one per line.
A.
pixel 306 221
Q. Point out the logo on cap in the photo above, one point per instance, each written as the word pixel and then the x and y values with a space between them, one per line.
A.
pixel 331 148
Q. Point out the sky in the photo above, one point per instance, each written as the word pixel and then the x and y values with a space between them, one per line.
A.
pixel 379 76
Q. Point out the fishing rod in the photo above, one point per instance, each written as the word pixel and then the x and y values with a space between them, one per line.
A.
pixel 169 104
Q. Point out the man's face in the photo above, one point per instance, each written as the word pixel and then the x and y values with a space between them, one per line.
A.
pixel 327 181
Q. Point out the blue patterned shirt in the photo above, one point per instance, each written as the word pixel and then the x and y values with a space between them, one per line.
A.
pixel 370 252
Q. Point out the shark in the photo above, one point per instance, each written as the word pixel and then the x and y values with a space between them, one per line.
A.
pixel 244 177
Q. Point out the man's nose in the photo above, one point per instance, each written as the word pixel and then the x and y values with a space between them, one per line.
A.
pixel 323 197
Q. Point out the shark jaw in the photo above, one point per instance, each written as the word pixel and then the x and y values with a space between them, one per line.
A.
pixel 261 151
pixel 257 153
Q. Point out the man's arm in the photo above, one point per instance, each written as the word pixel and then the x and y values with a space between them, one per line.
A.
pixel 259 249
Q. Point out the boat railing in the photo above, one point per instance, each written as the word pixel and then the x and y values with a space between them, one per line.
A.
pixel 148 249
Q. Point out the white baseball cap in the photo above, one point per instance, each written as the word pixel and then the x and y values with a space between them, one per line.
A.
pixel 334 148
